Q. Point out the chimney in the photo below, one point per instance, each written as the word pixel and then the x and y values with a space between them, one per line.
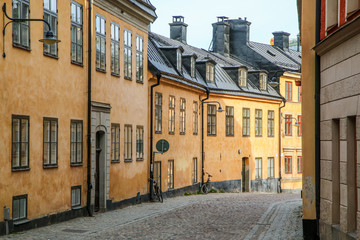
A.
pixel 221 36
pixel 239 35
pixel 281 40
pixel 178 29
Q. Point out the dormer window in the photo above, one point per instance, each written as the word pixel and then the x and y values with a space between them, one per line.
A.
pixel 263 81
pixel 242 77
pixel 192 67
pixel 178 60
pixel 210 72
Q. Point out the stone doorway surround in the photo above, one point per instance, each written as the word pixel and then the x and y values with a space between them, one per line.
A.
pixel 100 122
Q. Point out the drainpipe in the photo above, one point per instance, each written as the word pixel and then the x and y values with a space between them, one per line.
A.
pixel 202 135
pixel 158 76
pixel 279 183
pixel 89 186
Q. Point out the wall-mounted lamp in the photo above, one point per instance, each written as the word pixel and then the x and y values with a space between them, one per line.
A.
pixel 49 36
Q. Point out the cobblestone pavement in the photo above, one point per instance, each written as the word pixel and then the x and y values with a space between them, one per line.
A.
pixel 211 216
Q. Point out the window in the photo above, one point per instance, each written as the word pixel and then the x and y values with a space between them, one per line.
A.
pixel 139 59
pixel 288 91
pixel 351 6
pixel 76 33
pixel 139 143
pixel 263 81
pixel 50 147
pixel 211 120
pixel 20 142
pixel 299 129
pixel 299 164
pixel 194 172
pixel 51 16
pixel 271 167
pixel 246 122
pixel 258 122
pixel 331 14
pixel 115 49
pixel 195 118
pixel 76 196
pixel 299 93
pixel 21 30
pixel 182 115
pixel 171 114
pixel 19 207
pixel 76 142
pixel 210 72
pixel 193 74
pixel 115 142
pixel 171 174
pixel 100 43
pixel 127 53
pixel 157 173
pixel 128 143
pixel 258 168
pixel 158 112
pixel 288 125
pixel 229 121
pixel 288 160
pixel 242 77
pixel 178 60
pixel 271 123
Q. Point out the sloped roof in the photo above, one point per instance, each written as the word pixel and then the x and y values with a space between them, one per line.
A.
pixel 146 6
pixel 285 59
pixel 223 82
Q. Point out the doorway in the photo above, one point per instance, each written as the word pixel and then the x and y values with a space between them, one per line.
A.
pixel 99 170
pixel 245 175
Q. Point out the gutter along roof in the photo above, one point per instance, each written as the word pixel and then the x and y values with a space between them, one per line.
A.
pixel 224 84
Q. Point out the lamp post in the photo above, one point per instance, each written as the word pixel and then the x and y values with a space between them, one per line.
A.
pixel 49 36
pixel 220 109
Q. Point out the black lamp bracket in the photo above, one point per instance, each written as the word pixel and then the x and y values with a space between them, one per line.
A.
pixel 17 20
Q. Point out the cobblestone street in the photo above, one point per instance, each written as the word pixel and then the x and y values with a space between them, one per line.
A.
pixel 212 216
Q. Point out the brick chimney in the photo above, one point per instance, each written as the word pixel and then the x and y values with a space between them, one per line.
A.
pixel 178 29
pixel 281 40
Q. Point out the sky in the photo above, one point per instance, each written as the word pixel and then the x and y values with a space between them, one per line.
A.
pixel 266 16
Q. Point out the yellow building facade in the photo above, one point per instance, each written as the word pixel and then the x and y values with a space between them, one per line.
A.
pixel 48 171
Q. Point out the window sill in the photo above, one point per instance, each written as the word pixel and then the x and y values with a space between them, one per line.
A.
pixel 77 207
pixel 230 135
pixel 20 169
pixel 21 222
pixel 158 132
pixel 21 47
pixel 51 56
pixel 246 135
pixel 171 133
pixel 141 82
pixel 100 70
pixel 128 78
pixel 139 159
pixel 77 63
pixel 211 135
pixel 50 166
pixel 128 160
pixel 182 133
pixel 115 74
pixel 115 161
pixel 76 164
pixel 195 133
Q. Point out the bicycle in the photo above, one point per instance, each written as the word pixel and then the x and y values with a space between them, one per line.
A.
pixel 157 190
pixel 205 188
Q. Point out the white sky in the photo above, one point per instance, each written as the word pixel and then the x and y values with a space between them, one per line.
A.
pixel 266 16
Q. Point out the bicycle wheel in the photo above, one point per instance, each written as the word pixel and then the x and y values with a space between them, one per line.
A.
pixel 205 188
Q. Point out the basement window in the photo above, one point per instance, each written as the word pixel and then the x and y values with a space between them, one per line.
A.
pixel 210 72
pixel 75 196
pixel 19 207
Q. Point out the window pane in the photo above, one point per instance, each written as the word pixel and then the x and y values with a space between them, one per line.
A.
pixel 24 130
pixel 46 153
pixel 24 154
pixel 16 210
pixel 16 155
pixel 22 208
pixel 16 130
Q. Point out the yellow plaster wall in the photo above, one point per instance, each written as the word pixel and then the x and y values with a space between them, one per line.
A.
pixel 129 105
pixel 37 86
pixel 291 145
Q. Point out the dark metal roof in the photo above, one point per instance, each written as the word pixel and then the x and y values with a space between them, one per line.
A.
pixel 223 82
pixel 284 59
